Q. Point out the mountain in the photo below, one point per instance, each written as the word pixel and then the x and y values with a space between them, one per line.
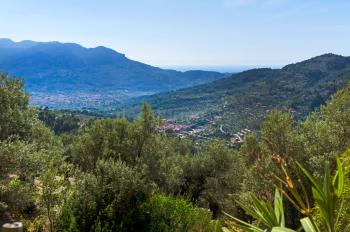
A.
pixel 243 99
pixel 52 69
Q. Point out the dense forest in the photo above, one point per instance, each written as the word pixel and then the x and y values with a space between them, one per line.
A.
pixel 117 174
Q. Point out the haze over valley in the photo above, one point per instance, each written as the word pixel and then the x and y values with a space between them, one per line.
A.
pixel 70 76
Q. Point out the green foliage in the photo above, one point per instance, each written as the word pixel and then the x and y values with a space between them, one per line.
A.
pixel 336 114
pixel 108 199
pixel 344 210
pixel 144 128
pixel 114 138
pixel 310 142
pixel 327 194
pixel 27 148
pixel 326 134
pixel 265 213
pixel 103 139
pixel 121 175
pixel 26 160
pixel 277 129
pixel 165 168
pixel 206 174
pixel 174 214
pixel 15 117
pixel 50 190
pixel 60 122
pixel 18 195
pixel 345 158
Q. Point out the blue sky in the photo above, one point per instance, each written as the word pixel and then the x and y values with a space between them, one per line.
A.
pixel 187 32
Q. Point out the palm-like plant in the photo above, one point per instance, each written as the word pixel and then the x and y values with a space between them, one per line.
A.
pixel 264 212
pixel 327 195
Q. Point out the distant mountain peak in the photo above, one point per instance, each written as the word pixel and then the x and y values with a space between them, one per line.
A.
pixel 328 55
pixel 70 67
pixel 324 57
pixel 6 40
pixel 322 62
pixel 8 43
pixel 24 44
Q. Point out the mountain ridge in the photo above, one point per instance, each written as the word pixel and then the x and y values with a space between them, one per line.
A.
pixel 244 99
pixel 54 67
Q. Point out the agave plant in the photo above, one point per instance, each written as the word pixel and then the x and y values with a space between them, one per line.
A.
pixel 270 216
pixel 327 195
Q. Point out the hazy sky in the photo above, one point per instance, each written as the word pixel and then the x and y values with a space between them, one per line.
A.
pixel 187 32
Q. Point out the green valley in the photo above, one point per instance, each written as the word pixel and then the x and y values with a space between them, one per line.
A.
pixel 244 99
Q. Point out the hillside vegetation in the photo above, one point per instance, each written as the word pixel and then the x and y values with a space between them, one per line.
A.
pixel 244 99
pixel 121 175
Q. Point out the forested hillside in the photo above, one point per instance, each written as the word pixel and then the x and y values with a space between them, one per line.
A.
pixel 244 99
pixel 118 175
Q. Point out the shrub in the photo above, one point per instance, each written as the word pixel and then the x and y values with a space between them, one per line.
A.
pixel 163 213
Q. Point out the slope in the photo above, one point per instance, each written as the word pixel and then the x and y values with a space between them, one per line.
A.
pixel 243 99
